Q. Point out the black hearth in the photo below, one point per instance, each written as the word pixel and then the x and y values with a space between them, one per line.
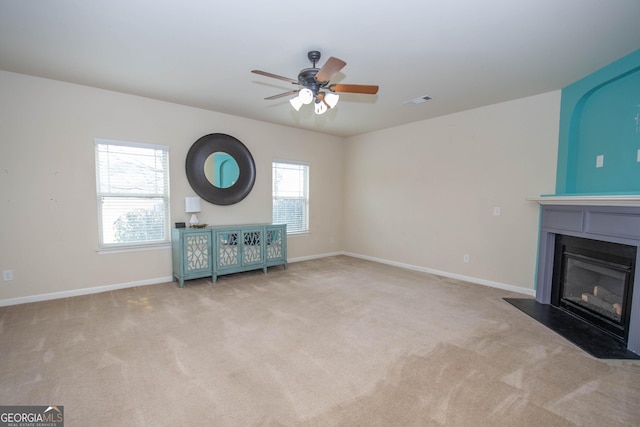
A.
pixel 593 280
pixel 587 258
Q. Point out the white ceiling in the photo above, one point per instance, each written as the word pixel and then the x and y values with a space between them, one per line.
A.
pixel 462 53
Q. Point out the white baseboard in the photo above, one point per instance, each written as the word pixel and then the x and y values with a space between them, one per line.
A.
pixel 310 257
pixel 84 291
pixel 492 284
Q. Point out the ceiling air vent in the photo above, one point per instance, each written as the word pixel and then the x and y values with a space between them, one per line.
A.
pixel 418 100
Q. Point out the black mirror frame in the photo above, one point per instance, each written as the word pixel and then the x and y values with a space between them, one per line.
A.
pixel 198 154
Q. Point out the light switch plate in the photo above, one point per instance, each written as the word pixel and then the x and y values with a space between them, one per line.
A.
pixel 638 155
pixel 600 161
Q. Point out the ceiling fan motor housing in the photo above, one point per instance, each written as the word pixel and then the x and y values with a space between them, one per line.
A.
pixel 307 78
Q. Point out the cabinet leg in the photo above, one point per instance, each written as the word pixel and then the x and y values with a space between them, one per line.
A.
pixel 181 283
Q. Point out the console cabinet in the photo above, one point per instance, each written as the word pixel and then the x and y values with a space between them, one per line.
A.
pixel 214 251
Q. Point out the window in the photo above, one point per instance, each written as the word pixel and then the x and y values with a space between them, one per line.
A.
pixel 291 196
pixel 133 194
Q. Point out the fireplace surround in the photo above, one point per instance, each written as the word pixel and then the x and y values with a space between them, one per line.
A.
pixel 595 220
pixel 593 280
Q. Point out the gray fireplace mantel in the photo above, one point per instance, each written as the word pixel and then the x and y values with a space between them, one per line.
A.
pixel 584 200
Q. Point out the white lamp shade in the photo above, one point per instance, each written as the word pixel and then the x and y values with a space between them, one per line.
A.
pixel 192 204
pixel 306 96
pixel 321 108
pixel 331 99
pixel 296 103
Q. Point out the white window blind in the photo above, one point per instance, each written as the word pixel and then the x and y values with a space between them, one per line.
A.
pixel 291 196
pixel 133 193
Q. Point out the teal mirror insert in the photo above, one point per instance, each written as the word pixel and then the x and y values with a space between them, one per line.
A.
pixel 221 169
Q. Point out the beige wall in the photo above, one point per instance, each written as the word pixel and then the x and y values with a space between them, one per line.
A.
pixel 422 195
pixel 419 195
pixel 48 219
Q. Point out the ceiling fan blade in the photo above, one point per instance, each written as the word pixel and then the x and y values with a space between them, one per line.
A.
pixel 280 95
pixel 332 66
pixel 366 89
pixel 275 76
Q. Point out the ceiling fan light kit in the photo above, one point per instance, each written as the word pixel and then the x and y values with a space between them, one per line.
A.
pixel 315 85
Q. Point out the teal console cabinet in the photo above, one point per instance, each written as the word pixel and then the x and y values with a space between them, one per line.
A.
pixel 215 251
pixel 191 253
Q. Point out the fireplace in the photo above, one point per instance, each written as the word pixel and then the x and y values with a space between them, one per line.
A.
pixel 593 280
pixel 588 251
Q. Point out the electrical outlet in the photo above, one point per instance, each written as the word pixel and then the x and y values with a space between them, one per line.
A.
pixel 7 275
pixel 639 156
pixel 466 258
pixel 600 161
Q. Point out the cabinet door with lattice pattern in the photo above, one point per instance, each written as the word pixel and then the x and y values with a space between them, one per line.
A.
pixel 228 245
pixel 197 253
pixel 252 248
pixel 276 244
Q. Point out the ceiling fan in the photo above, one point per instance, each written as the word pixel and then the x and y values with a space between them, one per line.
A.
pixel 315 85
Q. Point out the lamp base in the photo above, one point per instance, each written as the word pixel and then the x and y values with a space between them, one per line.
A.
pixel 194 220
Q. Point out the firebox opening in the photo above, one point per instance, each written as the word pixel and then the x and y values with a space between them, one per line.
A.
pixel 593 280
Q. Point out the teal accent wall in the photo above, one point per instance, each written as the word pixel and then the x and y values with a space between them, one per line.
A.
pixel 600 116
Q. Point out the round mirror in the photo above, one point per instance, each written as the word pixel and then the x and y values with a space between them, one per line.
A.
pixel 220 169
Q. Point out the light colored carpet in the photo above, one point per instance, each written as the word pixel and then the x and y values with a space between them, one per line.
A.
pixel 331 342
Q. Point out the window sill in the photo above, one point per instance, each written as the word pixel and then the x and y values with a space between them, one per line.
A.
pixel 298 233
pixel 121 249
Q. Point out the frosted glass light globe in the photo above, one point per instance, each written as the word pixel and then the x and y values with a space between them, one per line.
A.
pixel 296 103
pixel 306 96
pixel 321 108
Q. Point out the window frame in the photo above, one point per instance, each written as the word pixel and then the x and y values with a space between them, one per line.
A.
pixel 164 196
pixel 306 197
